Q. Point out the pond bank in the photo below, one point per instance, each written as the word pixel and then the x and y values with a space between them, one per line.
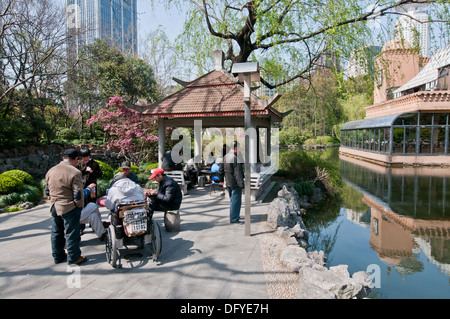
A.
pixel 291 271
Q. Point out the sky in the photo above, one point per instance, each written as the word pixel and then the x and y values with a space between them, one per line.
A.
pixel 149 18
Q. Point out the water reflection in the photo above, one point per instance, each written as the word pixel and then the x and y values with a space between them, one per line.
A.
pixel 409 213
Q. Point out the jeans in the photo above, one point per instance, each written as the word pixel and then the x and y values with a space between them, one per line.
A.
pixel 70 223
pixel 235 204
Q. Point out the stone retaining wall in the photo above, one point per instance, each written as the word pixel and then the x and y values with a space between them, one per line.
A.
pixel 37 160
pixel 316 281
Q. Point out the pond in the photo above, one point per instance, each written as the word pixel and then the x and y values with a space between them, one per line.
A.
pixel 393 223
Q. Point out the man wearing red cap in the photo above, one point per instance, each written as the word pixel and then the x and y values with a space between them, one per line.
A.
pixel 168 196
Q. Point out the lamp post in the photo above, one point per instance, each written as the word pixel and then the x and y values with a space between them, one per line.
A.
pixel 247 72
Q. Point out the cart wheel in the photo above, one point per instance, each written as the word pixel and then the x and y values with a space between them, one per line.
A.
pixel 156 243
pixel 111 246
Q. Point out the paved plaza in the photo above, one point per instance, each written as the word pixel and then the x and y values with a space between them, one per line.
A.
pixel 209 258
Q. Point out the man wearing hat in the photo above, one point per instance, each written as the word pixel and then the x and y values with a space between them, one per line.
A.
pixel 64 186
pixel 123 189
pixel 168 196
pixel 126 168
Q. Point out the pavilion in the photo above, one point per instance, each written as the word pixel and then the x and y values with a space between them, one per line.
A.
pixel 214 100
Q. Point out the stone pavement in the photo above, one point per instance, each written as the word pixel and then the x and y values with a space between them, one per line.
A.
pixel 208 259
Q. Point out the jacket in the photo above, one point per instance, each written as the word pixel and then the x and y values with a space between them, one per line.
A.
pixel 124 190
pixel 89 178
pixel 234 174
pixel 169 192
pixel 65 187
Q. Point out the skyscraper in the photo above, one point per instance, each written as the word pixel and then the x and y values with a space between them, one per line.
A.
pixel 114 21
pixel 413 26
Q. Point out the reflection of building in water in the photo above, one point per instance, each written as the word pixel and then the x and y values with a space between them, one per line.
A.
pixel 409 212
pixel 361 219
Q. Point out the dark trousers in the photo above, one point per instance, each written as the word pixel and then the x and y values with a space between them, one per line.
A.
pixel 68 223
pixel 235 203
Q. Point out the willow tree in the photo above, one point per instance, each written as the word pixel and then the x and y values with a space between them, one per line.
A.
pixel 289 37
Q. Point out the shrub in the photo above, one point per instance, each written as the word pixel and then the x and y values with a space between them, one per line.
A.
pixel 67 134
pixel 9 184
pixel 102 186
pixel 148 167
pixel 107 170
pixel 302 166
pixel 30 193
pixel 304 188
pixel 21 175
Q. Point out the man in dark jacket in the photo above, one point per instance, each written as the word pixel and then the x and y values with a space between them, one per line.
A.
pixel 234 178
pixel 168 196
pixel 90 170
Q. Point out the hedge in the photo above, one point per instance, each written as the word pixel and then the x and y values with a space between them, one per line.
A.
pixel 9 184
pixel 21 175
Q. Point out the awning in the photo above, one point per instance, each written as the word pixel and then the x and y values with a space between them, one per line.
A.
pixel 377 122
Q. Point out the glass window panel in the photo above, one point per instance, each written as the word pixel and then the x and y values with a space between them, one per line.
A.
pixel 398 139
pixel 410 140
pixel 385 140
pixel 425 140
pixel 426 118
pixel 440 118
pixel 439 140
pixel 376 139
pixel 407 119
pixel 359 139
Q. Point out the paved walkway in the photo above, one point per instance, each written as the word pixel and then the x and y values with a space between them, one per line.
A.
pixel 209 258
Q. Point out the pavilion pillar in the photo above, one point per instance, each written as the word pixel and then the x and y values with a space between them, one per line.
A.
pixel 161 141
pixel 198 141
pixel 253 145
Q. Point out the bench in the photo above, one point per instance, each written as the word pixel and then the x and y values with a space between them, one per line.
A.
pixel 178 176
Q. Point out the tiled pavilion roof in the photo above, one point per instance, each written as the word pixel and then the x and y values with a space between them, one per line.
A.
pixel 214 94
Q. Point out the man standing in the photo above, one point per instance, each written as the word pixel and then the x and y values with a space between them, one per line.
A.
pixel 65 189
pixel 234 178
pixel 90 170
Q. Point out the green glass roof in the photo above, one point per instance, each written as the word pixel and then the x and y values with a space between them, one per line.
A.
pixel 383 121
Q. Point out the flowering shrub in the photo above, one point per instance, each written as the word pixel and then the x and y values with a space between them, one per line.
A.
pixel 128 129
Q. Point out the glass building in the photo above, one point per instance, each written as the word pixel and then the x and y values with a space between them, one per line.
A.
pixel 407 134
pixel 114 21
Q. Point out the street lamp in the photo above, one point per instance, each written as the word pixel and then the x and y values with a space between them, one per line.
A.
pixel 247 72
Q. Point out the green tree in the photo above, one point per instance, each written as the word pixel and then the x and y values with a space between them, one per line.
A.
pixel 294 33
pixel 104 71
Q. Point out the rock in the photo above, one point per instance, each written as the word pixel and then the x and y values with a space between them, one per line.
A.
pixel 284 232
pixel 341 270
pixel 26 205
pixel 318 257
pixel 295 258
pixel 309 291
pixel 277 212
pixel 292 241
pixel 336 281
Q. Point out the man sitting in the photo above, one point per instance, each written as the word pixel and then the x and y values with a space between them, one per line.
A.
pixel 168 196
